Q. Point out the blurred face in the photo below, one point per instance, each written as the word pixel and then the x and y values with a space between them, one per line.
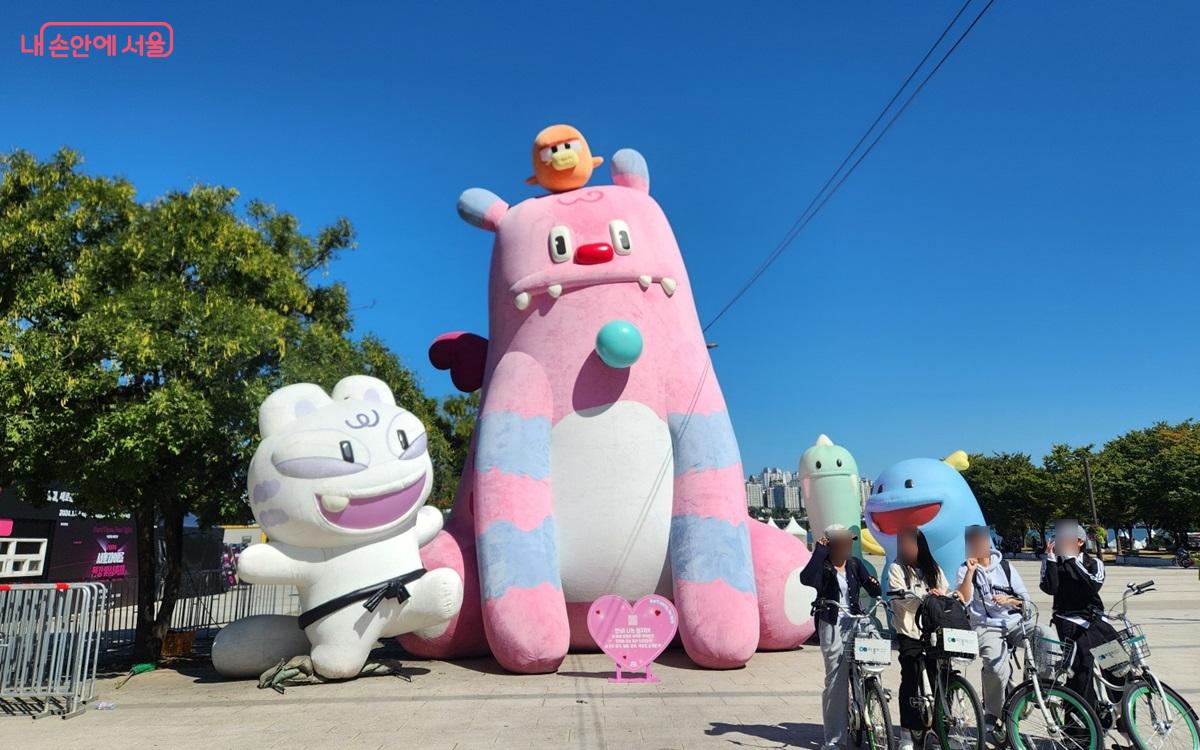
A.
pixel 1067 545
pixel 839 548
pixel 1066 538
pixel 906 548
pixel 978 545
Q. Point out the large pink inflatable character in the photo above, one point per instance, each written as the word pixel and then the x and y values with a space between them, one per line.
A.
pixel 604 459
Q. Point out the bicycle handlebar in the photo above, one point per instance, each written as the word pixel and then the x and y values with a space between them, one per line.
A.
pixel 845 609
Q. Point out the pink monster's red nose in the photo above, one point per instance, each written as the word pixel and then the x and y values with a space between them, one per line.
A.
pixel 593 253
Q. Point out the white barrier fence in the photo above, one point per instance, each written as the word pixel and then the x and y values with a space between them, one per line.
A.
pixel 49 646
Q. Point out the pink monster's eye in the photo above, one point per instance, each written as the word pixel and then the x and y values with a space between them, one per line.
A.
pixel 618 232
pixel 562 249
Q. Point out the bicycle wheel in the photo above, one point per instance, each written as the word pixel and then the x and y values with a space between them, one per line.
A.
pixel 958 717
pixel 878 719
pixel 1155 724
pixel 1072 724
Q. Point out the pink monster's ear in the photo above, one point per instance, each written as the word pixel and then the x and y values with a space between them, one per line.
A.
pixel 481 208
pixel 629 170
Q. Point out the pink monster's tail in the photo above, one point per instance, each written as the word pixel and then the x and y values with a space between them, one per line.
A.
pixel 784 604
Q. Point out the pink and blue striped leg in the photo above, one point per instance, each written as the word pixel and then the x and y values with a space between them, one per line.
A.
pixel 524 613
pixel 454 548
pixel 710 543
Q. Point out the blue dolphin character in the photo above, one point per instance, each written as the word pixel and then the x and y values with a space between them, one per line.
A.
pixel 930 495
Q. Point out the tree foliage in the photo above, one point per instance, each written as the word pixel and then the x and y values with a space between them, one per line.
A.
pixel 137 340
pixel 1148 477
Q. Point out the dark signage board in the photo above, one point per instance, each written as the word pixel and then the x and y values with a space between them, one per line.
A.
pixel 93 549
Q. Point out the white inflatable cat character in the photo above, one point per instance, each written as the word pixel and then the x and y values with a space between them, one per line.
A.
pixel 339 484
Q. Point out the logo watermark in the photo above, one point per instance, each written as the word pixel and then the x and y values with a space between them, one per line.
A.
pixel 66 40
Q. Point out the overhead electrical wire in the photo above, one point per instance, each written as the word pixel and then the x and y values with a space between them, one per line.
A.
pixel 814 206
pixel 826 192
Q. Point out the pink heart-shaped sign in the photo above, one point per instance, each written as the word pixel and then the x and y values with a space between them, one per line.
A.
pixel 632 637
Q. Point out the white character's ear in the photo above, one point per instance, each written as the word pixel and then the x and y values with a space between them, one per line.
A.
pixel 287 405
pixel 363 388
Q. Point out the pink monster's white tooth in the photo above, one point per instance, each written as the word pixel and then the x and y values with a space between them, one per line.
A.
pixel 522 300
pixel 645 281
pixel 334 503
pixel 668 285
pixel 554 290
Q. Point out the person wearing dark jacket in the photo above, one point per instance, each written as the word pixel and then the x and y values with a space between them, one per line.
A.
pixel 838 577
pixel 1074 579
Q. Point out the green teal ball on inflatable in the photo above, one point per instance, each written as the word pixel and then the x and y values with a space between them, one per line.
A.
pixel 619 344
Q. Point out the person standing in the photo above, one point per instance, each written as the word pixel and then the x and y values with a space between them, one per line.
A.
pixel 913 576
pixel 994 594
pixel 838 577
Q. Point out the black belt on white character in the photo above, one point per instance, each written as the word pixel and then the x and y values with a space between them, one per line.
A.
pixel 393 588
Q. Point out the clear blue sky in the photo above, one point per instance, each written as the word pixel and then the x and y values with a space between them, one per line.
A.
pixel 1015 265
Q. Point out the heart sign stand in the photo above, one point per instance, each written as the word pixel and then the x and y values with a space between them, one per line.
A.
pixel 633 637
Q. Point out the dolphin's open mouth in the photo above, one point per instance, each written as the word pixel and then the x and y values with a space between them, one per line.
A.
pixel 891 522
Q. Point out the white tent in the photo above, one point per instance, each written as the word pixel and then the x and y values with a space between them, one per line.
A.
pixel 796 529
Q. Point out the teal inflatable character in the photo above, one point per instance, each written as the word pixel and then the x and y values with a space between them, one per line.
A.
pixel 831 490
pixel 829 486
pixel 930 495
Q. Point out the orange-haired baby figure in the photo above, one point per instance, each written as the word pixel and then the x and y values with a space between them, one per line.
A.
pixel 562 160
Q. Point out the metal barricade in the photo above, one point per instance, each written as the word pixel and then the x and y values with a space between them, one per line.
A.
pixel 49 646
pixel 207 601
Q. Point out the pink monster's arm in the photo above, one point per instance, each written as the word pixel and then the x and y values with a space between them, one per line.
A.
pixel 710 540
pixel 524 611
pixel 464 355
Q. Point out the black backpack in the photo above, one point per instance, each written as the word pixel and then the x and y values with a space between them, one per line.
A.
pixel 938 612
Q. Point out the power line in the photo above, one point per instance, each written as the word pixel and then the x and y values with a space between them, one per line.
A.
pixel 862 139
pixel 817 203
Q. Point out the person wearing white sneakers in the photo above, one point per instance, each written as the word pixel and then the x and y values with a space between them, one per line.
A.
pixel 837 576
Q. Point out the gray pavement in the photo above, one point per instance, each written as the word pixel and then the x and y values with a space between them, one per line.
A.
pixel 772 703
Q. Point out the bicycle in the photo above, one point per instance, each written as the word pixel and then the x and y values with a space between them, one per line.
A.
pixel 950 707
pixel 1039 714
pixel 869 716
pixel 1148 710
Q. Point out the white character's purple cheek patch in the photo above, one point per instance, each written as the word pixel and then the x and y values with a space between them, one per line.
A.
pixel 264 491
pixel 273 517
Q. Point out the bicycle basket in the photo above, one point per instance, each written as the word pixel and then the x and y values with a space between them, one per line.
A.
pixel 955 643
pixel 872 651
pixel 1135 644
pixel 1111 657
pixel 1049 656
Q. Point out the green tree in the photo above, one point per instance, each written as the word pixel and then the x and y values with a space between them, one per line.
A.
pixel 456 420
pixel 1152 477
pixel 1067 483
pixel 137 340
pixel 1010 491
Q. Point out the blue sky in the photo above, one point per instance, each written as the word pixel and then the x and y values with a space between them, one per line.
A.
pixel 1016 264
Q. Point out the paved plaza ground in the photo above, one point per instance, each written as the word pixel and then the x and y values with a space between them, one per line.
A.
pixel 775 702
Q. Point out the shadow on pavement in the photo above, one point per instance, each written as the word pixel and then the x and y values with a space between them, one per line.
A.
pixel 202 673
pixel 787 734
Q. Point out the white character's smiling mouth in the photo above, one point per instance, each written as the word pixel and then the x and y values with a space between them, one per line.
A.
pixel 371 507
